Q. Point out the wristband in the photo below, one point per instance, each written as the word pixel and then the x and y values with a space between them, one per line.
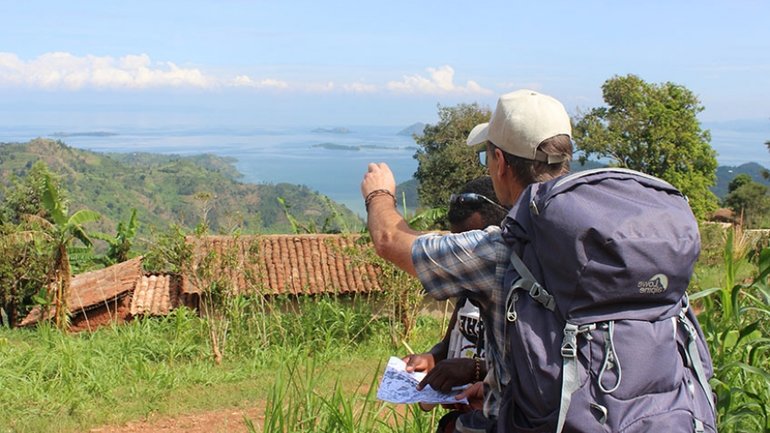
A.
pixel 377 193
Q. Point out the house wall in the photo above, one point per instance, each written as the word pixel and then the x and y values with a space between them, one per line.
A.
pixel 116 311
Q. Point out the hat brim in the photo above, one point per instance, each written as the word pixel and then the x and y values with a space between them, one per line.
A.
pixel 479 134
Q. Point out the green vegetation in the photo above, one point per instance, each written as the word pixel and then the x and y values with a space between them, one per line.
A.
pixel 313 363
pixel 297 405
pixel 652 128
pixel 62 229
pixel 166 190
pixel 749 200
pixel 734 318
pixel 294 359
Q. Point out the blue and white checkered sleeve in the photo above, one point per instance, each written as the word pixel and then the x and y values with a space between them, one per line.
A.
pixel 456 264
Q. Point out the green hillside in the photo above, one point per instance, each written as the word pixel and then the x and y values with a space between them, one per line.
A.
pixel 172 189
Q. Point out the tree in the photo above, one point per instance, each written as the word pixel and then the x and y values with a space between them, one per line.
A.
pixel 24 269
pixel 25 197
pixel 748 199
pixel 652 128
pixel 62 229
pixel 25 254
pixel 738 181
pixel 445 162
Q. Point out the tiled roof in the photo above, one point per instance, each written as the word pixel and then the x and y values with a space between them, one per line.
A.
pixel 269 264
pixel 286 264
pixel 157 295
pixel 91 289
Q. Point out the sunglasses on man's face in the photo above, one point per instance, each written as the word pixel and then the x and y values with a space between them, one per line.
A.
pixel 483 157
pixel 471 200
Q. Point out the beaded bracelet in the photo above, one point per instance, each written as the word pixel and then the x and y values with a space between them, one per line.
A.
pixel 377 193
pixel 478 369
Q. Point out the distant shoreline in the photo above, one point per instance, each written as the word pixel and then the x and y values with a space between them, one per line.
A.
pixel 356 148
pixel 83 134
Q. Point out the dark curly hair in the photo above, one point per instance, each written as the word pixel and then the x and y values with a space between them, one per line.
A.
pixel 490 214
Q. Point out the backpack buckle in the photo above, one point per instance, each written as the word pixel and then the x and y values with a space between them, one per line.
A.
pixel 510 310
pixel 569 343
pixel 539 294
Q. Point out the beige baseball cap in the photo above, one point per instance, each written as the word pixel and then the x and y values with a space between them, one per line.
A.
pixel 521 121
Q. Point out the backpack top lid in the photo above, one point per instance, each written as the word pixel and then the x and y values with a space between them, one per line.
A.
pixel 607 244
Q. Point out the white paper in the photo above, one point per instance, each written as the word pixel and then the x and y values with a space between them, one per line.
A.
pixel 400 386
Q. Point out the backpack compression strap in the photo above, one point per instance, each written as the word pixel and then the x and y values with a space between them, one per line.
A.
pixel 694 356
pixel 535 290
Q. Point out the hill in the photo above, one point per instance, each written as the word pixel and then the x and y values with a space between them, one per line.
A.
pixel 413 129
pixel 726 173
pixel 168 189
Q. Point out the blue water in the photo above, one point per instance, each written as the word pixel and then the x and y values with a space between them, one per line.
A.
pixel 266 155
pixel 277 155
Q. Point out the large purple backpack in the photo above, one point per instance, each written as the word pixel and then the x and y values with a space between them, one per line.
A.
pixel 600 336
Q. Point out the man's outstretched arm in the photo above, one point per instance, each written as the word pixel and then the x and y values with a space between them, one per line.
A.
pixel 391 235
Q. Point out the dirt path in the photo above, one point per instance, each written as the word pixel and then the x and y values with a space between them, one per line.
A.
pixel 219 421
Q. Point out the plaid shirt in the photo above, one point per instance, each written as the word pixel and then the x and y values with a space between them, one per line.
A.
pixel 472 264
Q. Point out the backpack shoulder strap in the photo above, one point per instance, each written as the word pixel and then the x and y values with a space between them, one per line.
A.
pixel 570 381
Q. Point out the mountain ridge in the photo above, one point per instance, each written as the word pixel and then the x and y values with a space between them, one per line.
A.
pixel 172 189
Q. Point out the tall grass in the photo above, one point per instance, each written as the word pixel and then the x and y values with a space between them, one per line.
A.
pixel 297 403
pixel 53 381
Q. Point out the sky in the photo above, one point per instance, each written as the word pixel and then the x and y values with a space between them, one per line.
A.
pixel 102 64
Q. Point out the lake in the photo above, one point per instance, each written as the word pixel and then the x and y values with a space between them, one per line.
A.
pixel 324 161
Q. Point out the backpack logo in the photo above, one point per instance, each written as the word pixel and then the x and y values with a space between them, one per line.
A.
pixel 657 284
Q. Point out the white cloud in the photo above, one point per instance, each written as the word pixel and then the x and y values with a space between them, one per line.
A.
pixel 61 70
pixel 441 81
pixel 267 83
pixel 65 71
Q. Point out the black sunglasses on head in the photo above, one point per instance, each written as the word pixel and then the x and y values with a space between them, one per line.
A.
pixel 471 200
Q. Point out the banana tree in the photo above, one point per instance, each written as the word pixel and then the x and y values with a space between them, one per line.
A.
pixel 119 246
pixel 62 229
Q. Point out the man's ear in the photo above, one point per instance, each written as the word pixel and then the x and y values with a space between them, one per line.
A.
pixel 501 165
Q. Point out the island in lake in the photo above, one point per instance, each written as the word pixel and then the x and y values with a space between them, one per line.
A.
pixel 417 129
pixel 337 130
pixel 356 148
